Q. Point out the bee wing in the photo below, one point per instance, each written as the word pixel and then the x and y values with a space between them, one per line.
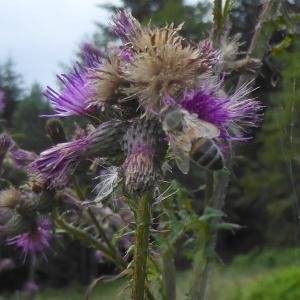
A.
pixel 180 149
pixel 182 159
pixel 200 128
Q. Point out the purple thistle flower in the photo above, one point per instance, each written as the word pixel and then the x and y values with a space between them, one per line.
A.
pixel 125 26
pixel 35 241
pixel 231 114
pixel 99 256
pixel 91 55
pixel 22 158
pixel 74 99
pixel 126 55
pixel 126 241
pixel 2 101
pixel 55 163
pixel 30 287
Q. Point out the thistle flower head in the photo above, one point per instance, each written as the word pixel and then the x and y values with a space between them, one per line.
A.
pixel 22 158
pixel 163 64
pixel 231 114
pixel 36 240
pixel 74 98
pixel 55 163
pixel 91 55
pixel 125 26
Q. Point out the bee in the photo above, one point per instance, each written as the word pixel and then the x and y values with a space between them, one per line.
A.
pixel 192 138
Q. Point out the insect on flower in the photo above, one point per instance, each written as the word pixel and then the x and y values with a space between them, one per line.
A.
pixel 191 136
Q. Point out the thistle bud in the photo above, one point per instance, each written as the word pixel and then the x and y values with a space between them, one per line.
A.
pixel 54 164
pixel 9 199
pixel 145 146
pixel 22 158
pixel 5 144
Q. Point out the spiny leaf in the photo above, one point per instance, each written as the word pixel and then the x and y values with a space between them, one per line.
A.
pixel 225 226
pixel 227 8
pixel 217 14
pixel 210 213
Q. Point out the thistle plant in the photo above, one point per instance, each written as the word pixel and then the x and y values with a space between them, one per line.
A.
pixel 153 105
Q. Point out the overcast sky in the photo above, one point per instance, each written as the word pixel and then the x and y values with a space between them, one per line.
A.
pixel 40 34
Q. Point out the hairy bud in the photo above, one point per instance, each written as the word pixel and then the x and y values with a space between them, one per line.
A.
pixel 145 146
pixel 53 165
pixel 5 144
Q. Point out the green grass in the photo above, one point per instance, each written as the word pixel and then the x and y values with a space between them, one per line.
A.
pixel 256 276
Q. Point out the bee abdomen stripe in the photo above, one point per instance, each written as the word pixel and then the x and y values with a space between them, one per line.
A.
pixel 217 163
pixel 205 154
pixel 200 148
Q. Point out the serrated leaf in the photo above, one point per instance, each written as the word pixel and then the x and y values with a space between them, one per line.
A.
pixel 210 213
pixel 225 226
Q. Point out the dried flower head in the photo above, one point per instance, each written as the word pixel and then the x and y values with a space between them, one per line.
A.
pixel 9 198
pixel 160 62
pixel 105 80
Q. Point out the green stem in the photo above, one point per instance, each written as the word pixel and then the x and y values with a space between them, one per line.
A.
pixel 219 195
pixel 200 262
pixel 169 274
pixel 141 247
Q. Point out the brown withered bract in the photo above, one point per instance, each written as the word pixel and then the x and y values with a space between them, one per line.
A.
pixel 163 63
